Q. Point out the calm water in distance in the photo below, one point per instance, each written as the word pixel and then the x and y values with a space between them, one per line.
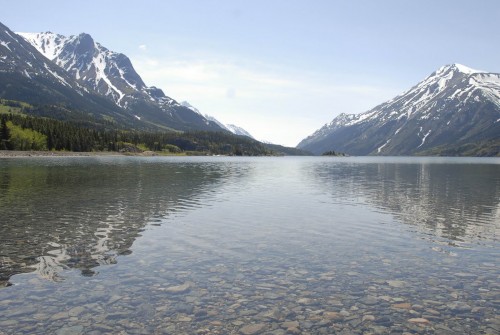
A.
pixel 222 245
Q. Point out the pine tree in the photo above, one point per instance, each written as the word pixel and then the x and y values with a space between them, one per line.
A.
pixel 4 135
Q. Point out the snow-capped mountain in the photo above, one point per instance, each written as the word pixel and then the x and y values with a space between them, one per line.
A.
pixel 17 56
pixel 111 74
pixel 26 75
pixel 108 73
pixel 188 105
pixel 454 106
pixel 230 127
pixel 238 130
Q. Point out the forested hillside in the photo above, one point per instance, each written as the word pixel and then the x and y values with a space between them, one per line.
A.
pixel 19 131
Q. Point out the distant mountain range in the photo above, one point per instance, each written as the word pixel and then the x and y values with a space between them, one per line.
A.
pixel 454 111
pixel 229 127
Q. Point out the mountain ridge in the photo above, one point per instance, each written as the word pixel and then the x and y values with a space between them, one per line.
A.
pixel 89 61
pixel 236 130
pixel 26 75
pixel 111 74
pixel 453 105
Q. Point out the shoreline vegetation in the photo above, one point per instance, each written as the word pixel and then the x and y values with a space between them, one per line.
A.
pixel 37 153
pixel 43 136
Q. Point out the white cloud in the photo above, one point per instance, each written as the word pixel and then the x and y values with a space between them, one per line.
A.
pixel 143 47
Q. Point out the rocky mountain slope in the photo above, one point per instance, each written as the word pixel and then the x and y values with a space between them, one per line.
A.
pixel 77 65
pixel 26 75
pixel 453 108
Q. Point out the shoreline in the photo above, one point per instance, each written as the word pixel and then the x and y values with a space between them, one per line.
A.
pixel 20 154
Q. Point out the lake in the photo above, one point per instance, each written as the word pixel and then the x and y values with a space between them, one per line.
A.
pixel 226 245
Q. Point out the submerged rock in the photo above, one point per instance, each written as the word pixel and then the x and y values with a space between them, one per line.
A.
pixel 252 329
pixel 186 287
pixel 396 283
pixel 290 324
pixel 403 305
pixel 419 321
pixel 459 307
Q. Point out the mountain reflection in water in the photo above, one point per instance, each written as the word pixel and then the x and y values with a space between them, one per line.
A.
pixel 457 202
pixel 81 213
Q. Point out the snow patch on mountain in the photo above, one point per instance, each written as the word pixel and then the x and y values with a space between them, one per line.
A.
pixel 188 105
pixel 48 44
pixel 230 127
pixel 5 44
pixel 238 130
pixel 57 76
pixel 462 68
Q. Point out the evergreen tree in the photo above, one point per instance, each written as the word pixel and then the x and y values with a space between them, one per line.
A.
pixel 4 135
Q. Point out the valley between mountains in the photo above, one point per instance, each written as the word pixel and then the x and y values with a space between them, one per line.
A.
pixel 74 94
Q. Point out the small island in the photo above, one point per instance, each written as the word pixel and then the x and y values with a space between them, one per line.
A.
pixel 333 153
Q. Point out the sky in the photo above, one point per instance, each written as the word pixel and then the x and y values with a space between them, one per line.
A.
pixel 280 69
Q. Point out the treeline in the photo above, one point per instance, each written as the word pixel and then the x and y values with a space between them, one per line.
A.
pixel 485 148
pixel 333 153
pixel 20 132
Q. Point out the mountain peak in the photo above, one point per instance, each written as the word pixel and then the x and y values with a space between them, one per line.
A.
pixel 456 67
pixel 84 43
pixel 85 37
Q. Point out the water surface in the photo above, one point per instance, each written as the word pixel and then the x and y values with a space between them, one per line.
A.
pixel 222 245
